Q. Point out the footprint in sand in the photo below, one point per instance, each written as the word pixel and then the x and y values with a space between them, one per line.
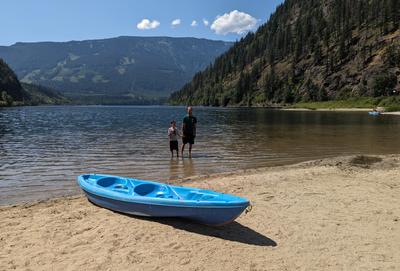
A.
pixel 171 244
pixel 177 247
pixel 268 198
pixel 185 261
pixel 134 257
pixel 12 224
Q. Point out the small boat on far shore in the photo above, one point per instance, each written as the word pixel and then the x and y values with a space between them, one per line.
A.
pixel 374 113
pixel 146 198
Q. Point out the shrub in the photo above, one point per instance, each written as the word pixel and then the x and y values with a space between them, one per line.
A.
pixel 7 99
pixel 383 85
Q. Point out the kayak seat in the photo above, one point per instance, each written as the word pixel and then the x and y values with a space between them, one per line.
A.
pixel 145 189
pixel 86 176
pixel 112 182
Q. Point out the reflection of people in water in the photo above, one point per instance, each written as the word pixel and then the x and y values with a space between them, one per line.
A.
pixel 179 169
pixel 188 130
pixel 189 168
pixel 173 134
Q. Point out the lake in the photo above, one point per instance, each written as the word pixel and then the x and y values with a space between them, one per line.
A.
pixel 43 149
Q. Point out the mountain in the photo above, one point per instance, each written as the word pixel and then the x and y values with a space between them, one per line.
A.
pixel 120 68
pixel 12 92
pixel 308 50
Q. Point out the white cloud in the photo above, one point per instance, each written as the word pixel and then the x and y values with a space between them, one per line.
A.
pixel 176 22
pixel 205 22
pixel 146 24
pixel 233 22
pixel 194 23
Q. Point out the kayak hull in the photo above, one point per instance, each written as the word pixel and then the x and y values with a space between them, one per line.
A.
pixel 208 216
pixel 213 213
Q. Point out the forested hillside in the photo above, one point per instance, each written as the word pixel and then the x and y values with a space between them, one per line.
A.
pixel 309 50
pixel 10 88
pixel 12 92
pixel 38 95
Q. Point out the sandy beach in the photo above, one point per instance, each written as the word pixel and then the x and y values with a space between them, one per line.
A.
pixel 333 214
pixel 391 113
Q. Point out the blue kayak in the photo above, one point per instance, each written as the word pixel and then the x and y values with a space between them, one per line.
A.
pixel 374 113
pixel 146 198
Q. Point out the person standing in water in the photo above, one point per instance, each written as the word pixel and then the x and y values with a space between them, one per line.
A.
pixel 188 130
pixel 173 134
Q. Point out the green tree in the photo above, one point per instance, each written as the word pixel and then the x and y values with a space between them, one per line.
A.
pixel 392 55
pixel 383 85
pixel 7 99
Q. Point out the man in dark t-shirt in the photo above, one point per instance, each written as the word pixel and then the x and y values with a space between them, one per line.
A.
pixel 188 130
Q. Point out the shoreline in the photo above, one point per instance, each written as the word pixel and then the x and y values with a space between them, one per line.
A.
pixel 187 180
pixel 282 108
pixel 329 109
pixel 335 213
pixel 395 113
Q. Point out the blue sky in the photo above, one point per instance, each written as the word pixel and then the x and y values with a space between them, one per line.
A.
pixel 56 20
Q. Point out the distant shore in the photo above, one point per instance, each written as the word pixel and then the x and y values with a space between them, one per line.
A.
pixel 362 104
pixel 397 113
pixel 339 214
pixel 329 109
pixel 386 104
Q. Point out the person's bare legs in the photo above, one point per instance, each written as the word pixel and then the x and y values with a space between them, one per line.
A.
pixel 190 150
pixel 182 149
pixel 177 153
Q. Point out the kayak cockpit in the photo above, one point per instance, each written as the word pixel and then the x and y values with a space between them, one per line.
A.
pixel 155 190
pixel 115 184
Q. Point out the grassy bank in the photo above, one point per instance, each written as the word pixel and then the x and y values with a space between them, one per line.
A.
pixel 389 103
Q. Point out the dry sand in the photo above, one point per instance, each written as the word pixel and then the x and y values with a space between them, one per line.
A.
pixel 391 113
pixel 322 215
pixel 340 110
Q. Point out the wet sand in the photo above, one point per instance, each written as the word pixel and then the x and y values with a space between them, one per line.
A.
pixel 332 214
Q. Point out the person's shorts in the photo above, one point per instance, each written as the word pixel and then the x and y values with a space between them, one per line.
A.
pixel 188 139
pixel 173 145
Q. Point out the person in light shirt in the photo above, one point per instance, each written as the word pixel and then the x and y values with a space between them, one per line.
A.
pixel 173 134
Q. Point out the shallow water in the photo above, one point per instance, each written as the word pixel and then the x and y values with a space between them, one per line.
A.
pixel 43 149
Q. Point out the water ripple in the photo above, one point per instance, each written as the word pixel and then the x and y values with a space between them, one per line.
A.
pixel 43 149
